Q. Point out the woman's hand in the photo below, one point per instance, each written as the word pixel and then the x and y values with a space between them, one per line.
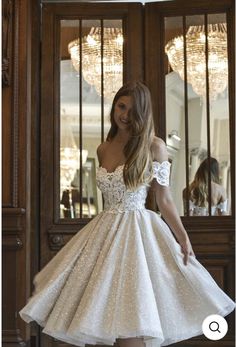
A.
pixel 186 249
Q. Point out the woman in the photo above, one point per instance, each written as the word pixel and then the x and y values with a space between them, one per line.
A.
pixel 198 192
pixel 124 278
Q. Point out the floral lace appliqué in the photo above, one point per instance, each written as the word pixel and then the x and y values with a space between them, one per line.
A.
pixel 161 172
pixel 117 198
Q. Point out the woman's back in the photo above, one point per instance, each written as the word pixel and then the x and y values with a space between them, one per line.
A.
pixel 218 202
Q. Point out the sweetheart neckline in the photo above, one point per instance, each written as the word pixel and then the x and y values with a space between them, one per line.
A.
pixel 112 172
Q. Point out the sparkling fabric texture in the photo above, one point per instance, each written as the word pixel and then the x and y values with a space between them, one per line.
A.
pixel 122 276
pixel 204 211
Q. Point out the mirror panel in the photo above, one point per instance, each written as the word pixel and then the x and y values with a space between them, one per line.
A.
pixel 219 108
pixel 86 93
pixel 175 117
pixel 197 113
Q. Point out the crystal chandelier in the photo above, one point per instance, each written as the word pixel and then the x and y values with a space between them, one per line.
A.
pixel 92 61
pixel 69 153
pixel 69 163
pixel 196 58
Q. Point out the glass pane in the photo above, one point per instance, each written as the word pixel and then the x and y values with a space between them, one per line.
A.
pixel 69 120
pixel 175 112
pixel 91 115
pixel 219 111
pixel 197 115
pixel 112 58
pixel 85 114
pixel 203 118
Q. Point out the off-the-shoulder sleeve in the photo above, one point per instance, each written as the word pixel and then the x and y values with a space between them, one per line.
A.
pixel 161 172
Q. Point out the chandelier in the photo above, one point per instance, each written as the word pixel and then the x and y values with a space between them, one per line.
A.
pixel 92 59
pixel 196 58
pixel 69 153
pixel 69 163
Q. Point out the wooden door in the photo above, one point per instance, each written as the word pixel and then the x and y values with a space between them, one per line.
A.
pixel 181 110
pixel 74 110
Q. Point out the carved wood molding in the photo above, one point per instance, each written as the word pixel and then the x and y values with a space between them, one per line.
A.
pixel 16 106
pixel 12 242
pixel 208 224
pixel 10 78
pixel 12 220
pixel 12 338
pixel 56 241
pixel 7 20
pixel 59 235
pixel 58 238
pixel 12 227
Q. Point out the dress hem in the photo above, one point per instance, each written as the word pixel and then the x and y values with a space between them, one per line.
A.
pixel 150 338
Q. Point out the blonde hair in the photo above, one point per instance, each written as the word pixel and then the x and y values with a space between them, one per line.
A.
pixel 198 189
pixel 138 165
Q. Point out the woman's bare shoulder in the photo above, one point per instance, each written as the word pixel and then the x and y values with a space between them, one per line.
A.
pixel 157 141
pixel 159 149
pixel 102 146
pixel 220 191
pixel 101 149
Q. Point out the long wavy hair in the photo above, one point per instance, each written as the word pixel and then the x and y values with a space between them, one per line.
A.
pixel 198 189
pixel 137 151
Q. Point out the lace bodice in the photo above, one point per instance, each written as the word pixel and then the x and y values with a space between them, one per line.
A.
pixel 117 198
pixel 203 211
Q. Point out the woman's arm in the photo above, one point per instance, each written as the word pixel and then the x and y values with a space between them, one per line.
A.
pixel 166 204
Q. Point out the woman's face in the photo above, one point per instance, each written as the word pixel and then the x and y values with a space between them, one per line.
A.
pixel 121 112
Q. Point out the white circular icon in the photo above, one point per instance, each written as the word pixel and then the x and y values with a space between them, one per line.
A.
pixel 214 327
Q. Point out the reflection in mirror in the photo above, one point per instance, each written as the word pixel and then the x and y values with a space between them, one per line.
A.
pixel 197 114
pixel 86 93
pixel 175 120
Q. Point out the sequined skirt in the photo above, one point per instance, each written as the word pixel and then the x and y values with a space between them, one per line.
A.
pixel 122 276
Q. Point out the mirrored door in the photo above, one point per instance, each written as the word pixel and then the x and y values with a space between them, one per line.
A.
pixel 193 106
pixel 86 56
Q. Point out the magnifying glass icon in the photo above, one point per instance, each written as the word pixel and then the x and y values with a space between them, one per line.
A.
pixel 214 327
pixel 217 326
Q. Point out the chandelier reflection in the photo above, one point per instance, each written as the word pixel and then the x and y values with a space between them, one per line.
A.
pixel 98 55
pixel 196 58
pixel 69 164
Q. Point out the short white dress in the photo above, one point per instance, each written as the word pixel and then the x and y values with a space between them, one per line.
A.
pixel 123 275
